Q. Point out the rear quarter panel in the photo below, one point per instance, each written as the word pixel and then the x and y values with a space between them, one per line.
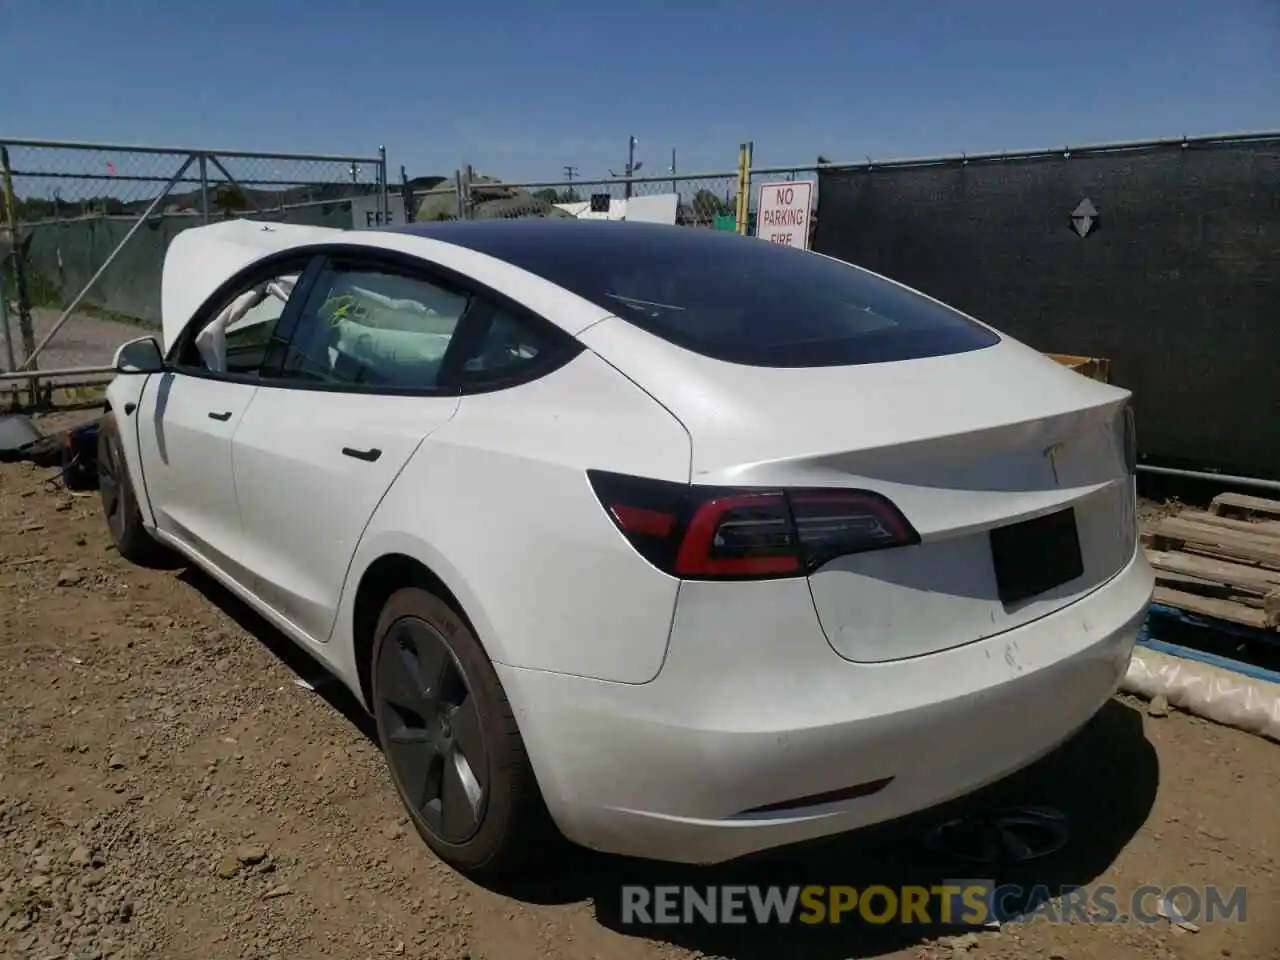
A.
pixel 497 504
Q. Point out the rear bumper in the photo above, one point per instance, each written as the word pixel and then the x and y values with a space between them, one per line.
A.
pixel 752 708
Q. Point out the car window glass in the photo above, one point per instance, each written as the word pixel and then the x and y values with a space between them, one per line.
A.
pixel 510 346
pixel 375 329
pixel 248 319
pixel 734 298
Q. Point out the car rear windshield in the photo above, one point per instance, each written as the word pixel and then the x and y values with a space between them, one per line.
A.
pixel 751 302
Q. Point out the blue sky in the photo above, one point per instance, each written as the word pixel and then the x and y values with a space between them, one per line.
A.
pixel 519 89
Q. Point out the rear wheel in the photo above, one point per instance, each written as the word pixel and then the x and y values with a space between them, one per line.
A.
pixel 450 739
pixel 120 503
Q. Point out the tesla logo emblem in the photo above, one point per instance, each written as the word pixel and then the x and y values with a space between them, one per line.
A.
pixel 1008 836
pixel 1051 454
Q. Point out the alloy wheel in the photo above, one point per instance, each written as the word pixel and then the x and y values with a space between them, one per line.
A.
pixel 431 731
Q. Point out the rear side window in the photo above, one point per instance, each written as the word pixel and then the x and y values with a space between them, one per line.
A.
pixel 750 302
pixel 510 346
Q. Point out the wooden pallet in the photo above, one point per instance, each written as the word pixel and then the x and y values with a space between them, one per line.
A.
pixel 1095 368
pixel 1223 562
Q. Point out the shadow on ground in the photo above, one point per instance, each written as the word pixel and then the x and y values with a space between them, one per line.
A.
pixel 284 649
pixel 1104 780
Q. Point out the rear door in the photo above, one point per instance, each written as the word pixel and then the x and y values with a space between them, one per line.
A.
pixel 359 387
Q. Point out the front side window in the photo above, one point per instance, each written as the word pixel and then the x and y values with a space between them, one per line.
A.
pixel 369 328
pixel 240 327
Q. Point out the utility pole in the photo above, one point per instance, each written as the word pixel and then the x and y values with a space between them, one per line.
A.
pixel 570 172
pixel 631 162
pixel 673 171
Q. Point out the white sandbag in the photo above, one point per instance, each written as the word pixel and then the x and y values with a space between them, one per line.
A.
pixel 1206 691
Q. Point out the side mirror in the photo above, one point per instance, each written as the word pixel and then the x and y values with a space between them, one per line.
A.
pixel 139 356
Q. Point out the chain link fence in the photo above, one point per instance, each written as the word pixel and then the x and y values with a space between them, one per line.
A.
pixel 92 223
pixel 705 200
pixel 695 200
pixel 85 227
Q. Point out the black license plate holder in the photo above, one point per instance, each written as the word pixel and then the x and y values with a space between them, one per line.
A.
pixel 1034 556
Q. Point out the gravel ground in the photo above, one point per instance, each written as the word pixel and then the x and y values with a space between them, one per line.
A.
pixel 168 789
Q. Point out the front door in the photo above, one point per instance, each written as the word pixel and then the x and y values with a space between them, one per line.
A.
pixel 185 425
pixel 188 415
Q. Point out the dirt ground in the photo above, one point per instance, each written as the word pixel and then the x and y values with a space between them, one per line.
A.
pixel 171 786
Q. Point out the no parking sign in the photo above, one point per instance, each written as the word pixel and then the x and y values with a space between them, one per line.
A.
pixel 782 212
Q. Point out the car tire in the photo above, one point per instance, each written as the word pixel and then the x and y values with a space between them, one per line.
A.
pixel 451 741
pixel 120 502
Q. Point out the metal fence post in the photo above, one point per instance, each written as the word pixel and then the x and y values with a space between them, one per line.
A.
pixel 384 197
pixel 406 196
pixel 204 187
pixel 740 217
pixel 4 321
pixel 19 268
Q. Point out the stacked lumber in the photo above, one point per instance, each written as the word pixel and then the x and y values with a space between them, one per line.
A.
pixel 1095 368
pixel 1223 562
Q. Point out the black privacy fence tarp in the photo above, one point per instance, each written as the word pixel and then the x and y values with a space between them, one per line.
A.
pixel 1176 280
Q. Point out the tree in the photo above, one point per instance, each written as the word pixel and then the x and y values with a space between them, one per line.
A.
pixel 229 198
pixel 551 195
pixel 706 205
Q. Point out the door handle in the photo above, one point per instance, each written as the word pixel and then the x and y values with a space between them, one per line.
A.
pixel 368 456
pixel 220 416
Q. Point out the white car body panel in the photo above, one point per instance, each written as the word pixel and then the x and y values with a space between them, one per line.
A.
pixel 776 425
pixel 123 395
pixel 513 463
pixel 303 503
pixel 940 442
pixel 659 713
pixel 187 472
pixel 669 769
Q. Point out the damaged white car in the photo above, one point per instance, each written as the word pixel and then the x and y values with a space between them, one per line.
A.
pixel 681 543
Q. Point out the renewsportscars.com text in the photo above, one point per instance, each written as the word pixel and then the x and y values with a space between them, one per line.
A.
pixel 964 902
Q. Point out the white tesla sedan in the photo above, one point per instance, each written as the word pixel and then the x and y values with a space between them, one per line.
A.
pixel 684 543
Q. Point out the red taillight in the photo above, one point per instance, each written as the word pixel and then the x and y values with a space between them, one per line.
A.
pixel 642 521
pixel 713 533
pixel 739 535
